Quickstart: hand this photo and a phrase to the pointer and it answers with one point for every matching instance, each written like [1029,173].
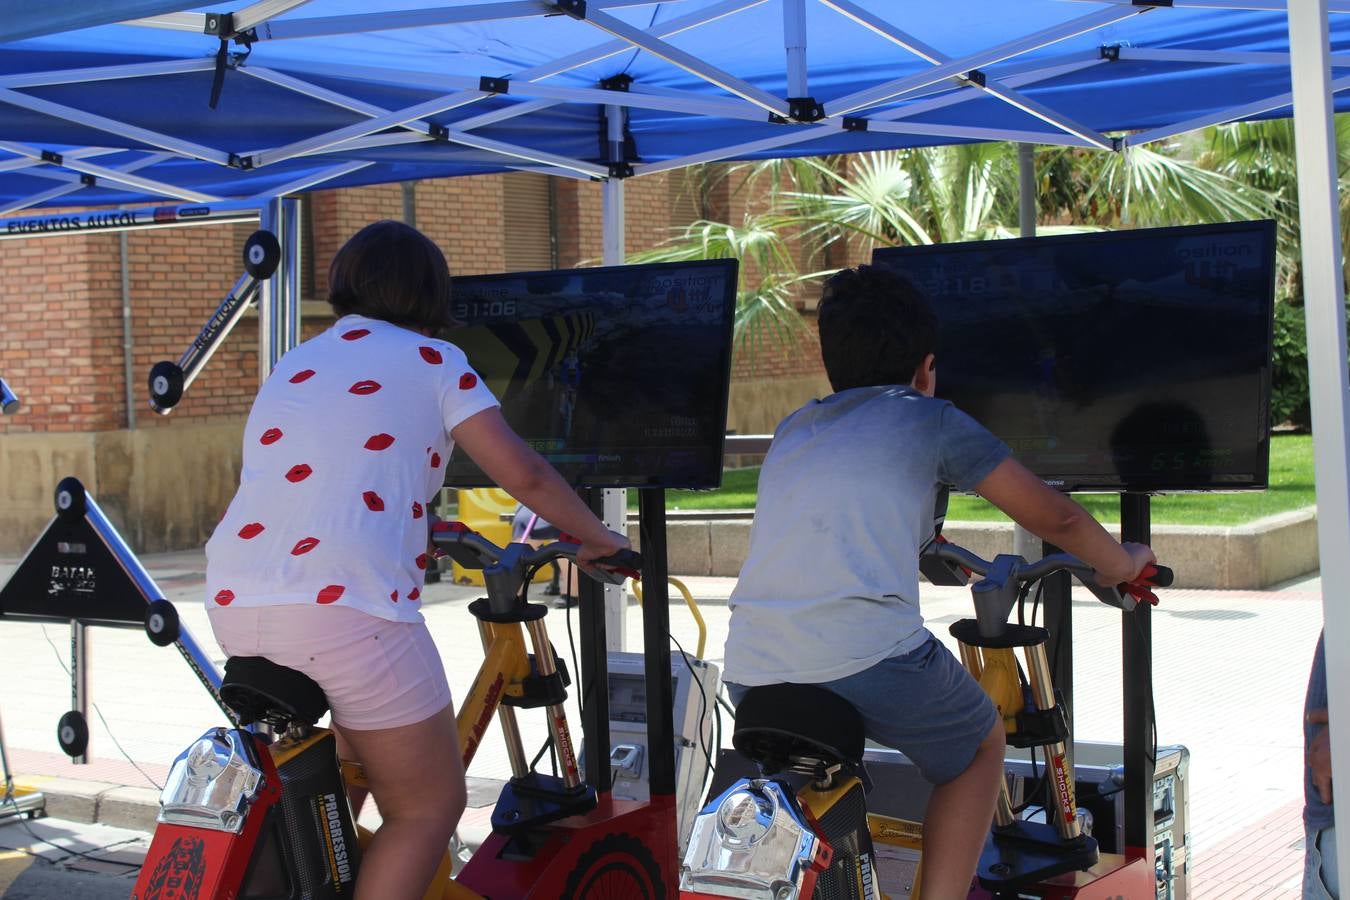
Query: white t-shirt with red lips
[346,443]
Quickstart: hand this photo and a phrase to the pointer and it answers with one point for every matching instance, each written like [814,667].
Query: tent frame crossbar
[950,81]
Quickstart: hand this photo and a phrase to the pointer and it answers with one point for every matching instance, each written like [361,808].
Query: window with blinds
[527,220]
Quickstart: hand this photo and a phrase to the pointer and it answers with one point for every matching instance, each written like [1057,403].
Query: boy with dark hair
[829,593]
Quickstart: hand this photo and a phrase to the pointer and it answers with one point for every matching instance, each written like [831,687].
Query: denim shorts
[1320,878]
[922,703]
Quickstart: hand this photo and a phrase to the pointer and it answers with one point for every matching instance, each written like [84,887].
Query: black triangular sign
[71,574]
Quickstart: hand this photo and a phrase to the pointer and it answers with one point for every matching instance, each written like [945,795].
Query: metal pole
[1323,303]
[1026,544]
[1136,671]
[269,219]
[288,331]
[79,677]
[409,190]
[197,659]
[794,40]
[656,643]
[128,347]
[615,501]
[593,685]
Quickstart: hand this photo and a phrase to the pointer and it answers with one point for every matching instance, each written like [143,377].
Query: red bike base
[623,848]
[1114,877]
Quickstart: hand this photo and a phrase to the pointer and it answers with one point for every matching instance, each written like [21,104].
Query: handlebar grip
[623,559]
[1158,576]
[624,564]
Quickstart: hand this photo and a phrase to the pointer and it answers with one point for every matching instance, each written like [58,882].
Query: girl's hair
[393,272]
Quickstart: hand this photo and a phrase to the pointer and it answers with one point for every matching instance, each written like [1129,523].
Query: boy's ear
[925,375]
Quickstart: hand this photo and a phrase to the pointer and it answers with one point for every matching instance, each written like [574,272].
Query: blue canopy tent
[128,102]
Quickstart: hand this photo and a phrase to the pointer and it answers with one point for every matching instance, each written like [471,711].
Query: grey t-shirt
[830,584]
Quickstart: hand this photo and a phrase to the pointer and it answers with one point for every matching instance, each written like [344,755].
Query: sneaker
[564,601]
[553,590]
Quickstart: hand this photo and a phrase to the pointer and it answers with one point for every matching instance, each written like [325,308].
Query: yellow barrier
[482,510]
[689,601]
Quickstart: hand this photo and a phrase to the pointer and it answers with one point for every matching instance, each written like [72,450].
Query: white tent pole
[287,322]
[614,254]
[794,40]
[1324,306]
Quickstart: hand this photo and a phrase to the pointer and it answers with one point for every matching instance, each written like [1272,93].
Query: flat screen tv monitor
[1111,361]
[618,376]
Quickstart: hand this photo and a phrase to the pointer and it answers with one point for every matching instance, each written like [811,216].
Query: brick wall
[61,323]
[61,336]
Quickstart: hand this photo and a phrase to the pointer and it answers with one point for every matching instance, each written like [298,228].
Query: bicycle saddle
[259,690]
[799,727]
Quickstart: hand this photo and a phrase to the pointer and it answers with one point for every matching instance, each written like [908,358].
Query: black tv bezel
[729,268]
[1112,483]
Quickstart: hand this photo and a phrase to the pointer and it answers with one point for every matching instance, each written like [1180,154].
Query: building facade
[86,316]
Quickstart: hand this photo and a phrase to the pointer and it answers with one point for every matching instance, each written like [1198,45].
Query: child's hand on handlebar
[1140,555]
[597,548]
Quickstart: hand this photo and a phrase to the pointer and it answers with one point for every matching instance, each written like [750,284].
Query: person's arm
[1056,518]
[528,477]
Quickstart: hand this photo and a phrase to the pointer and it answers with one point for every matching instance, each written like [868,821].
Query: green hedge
[1289,400]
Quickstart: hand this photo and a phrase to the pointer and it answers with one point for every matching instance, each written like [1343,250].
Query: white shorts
[376,673]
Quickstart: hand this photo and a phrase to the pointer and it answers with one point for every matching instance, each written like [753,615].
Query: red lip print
[302,375]
[373,501]
[414,593]
[467,380]
[299,473]
[421,561]
[304,545]
[364,387]
[356,334]
[270,436]
[393,595]
[330,593]
[380,442]
[435,460]
[225,597]
[251,530]
[431,355]
[417,510]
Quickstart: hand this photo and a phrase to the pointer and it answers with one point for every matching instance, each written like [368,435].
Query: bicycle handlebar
[1124,596]
[473,551]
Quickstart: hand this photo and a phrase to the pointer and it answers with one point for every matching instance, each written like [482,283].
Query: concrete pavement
[1230,669]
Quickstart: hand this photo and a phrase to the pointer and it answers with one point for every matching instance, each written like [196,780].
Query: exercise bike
[245,817]
[802,829]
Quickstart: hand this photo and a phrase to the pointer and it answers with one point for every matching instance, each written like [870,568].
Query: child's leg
[957,822]
[924,704]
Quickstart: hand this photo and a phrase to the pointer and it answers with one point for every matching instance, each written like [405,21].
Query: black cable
[84,854]
[702,700]
[1152,712]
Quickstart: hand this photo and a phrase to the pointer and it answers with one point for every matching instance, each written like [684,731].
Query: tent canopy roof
[343,92]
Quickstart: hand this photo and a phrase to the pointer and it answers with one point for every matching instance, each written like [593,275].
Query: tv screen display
[1130,360]
[618,376]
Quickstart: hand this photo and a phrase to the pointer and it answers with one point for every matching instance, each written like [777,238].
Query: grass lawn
[1291,487]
